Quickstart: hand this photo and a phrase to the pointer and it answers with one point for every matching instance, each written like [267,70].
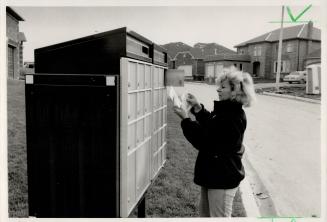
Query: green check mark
[297,17]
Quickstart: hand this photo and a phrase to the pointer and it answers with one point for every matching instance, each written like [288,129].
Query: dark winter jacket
[218,136]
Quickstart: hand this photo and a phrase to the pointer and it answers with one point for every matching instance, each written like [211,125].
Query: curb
[251,187]
[247,194]
[249,203]
[292,97]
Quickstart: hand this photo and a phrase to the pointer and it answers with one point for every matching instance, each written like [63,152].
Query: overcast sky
[225,25]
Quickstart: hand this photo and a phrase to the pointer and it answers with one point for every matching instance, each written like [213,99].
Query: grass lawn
[294,90]
[173,194]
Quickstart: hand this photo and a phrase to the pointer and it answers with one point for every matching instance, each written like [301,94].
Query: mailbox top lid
[123,30]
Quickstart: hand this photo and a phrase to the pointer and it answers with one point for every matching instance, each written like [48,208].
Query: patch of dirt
[299,91]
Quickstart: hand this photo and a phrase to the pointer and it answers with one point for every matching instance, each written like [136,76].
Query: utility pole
[279,58]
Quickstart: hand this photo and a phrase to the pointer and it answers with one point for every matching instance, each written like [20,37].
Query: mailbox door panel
[135,134]
[142,123]
[147,77]
[159,118]
[132,114]
[132,76]
[131,195]
[140,76]
[140,104]
[142,169]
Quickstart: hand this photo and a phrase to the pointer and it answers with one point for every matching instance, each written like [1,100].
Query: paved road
[283,137]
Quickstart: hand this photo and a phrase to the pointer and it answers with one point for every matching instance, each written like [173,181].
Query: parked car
[296,76]
[27,69]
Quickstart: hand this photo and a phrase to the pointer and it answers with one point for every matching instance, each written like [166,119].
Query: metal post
[279,52]
[141,208]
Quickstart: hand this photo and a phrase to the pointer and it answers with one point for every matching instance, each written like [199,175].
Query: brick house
[214,64]
[313,58]
[15,41]
[298,42]
[191,59]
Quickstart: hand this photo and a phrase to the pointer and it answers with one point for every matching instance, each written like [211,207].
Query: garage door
[219,70]
[11,62]
[209,70]
[187,70]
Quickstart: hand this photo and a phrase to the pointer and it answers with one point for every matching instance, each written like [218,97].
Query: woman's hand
[180,112]
[193,102]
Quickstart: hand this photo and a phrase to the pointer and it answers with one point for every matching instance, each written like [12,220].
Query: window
[257,51]
[241,67]
[289,47]
[285,66]
[241,52]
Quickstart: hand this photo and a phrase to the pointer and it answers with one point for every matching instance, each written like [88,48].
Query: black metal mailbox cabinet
[72,147]
[96,125]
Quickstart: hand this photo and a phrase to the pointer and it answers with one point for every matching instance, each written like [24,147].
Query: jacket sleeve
[202,116]
[193,132]
[219,136]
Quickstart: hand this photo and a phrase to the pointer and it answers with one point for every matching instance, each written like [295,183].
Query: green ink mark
[275,219]
[294,19]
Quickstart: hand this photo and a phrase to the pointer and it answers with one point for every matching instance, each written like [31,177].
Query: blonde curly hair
[241,85]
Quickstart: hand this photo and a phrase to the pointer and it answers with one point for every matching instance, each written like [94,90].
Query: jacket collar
[226,105]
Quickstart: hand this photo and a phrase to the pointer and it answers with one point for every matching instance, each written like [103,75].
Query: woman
[218,136]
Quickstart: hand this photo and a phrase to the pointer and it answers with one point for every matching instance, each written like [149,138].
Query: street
[283,140]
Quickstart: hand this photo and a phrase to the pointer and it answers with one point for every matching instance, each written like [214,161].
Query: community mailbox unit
[96,125]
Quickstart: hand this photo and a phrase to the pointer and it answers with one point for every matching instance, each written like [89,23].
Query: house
[172,49]
[313,58]
[214,64]
[191,59]
[298,42]
[15,41]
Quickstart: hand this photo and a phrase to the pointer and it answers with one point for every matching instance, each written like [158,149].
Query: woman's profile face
[224,90]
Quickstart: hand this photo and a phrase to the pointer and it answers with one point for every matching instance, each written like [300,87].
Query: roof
[186,52]
[314,54]
[292,32]
[197,53]
[14,14]
[174,47]
[228,56]
[202,50]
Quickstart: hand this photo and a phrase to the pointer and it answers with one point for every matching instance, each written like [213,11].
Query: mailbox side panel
[72,150]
